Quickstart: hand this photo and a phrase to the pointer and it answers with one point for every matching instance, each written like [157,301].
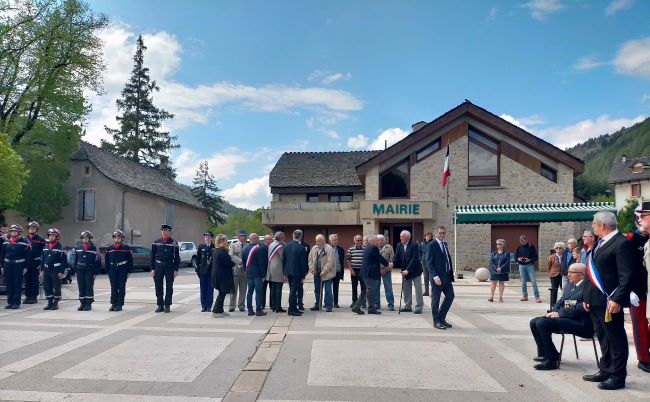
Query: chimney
[415,127]
[163,162]
[624,158]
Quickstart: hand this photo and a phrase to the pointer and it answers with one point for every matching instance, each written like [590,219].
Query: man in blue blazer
[294,267]
[441,275]
[407,258]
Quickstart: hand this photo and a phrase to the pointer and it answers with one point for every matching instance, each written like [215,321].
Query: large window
[549,173]
[312,197]
[428,150]
[394,183]
[483,160]
[636,190]
[86,205]
[340,197]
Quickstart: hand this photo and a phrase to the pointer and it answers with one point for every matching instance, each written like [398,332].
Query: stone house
[631,179]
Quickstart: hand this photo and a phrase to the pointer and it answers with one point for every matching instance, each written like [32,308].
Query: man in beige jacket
[322,266]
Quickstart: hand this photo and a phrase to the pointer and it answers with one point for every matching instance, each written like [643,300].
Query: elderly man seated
[568,316]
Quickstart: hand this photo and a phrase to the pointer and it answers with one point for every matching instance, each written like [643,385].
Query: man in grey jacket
[238,272]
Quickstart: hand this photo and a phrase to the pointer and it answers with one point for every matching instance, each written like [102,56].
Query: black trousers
[13,282]
[301,293]
[166,274]
[543,328]
[52,286]
[31,279]
[613,342]
[439,311]
[265,286]
[356,281]
[118,279]
[276,295]
[335,289]
[218,303]
[294,284]
[556,281]
[86,284]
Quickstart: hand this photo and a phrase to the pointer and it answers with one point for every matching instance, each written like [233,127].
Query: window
[312,197]
[483,156]
[549,173]
[394,183]
[428,150]
[637,168]
[341,197]
[86,205]
[169,215]
[636,190]
[87,170]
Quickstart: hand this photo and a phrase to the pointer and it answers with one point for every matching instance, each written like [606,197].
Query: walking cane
[400,296]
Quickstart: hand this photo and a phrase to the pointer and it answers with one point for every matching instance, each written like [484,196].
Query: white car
[187,250]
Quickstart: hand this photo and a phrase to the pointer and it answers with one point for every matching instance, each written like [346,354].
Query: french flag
[446,172]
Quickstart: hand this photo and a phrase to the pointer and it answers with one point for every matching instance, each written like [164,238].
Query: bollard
[553,298]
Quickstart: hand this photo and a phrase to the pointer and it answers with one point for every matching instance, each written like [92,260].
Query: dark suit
[294,266]
[439,265]
[339,275]
[255,272]
[614,261]
[573,319]
[370,274]
[409,260]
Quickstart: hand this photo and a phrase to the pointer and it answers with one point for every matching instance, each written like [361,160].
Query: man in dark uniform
[295,267]
[204,271]
[301,290]
[33,263]
[639,295]
[55,264]
[86,265]
[119,264]
[165,260]
[12,260]
[254,259]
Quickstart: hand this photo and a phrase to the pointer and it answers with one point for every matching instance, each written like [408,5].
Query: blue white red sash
[252,251]
[594,276]
[275,250]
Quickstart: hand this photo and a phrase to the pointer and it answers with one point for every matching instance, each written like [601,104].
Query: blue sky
[250,80]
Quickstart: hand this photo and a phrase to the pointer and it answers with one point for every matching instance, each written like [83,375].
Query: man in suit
[254,259]
[610,269]
[370,274]
[639,298]
[407,258]
[442,276]
[339,260]
[568,315]
[294,268]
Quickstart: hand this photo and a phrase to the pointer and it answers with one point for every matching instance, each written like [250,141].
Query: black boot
[160,309]
[49,305]
[55,305]
[112,308]
[87,306]
[82,306]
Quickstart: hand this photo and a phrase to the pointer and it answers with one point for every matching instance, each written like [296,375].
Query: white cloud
[358,141]
[326,77]
[513,120]
[330,133]
[524,122]
[587,63]
[618,5]
[540,9]
[251,194]
[634,58]
[222,164]
[568,136]
[388,138]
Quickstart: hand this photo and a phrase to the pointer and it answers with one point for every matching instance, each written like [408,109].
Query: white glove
[634,299]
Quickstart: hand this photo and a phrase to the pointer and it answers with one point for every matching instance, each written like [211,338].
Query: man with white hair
[370,274]
[323,267]
[610,269]
[386,251]
[408,260]
[339,263]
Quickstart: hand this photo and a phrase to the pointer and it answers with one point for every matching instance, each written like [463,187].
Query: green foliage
[250,223]
[206,191]
[14,174]
[139,137]
[603,198]
[625,216]
[599,154]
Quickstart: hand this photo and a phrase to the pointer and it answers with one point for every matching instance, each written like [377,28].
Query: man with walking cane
[322,265]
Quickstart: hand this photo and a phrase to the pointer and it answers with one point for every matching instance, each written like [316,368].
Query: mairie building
[492,162]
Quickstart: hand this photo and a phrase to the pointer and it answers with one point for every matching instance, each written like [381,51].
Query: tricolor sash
[594,278]
[252,251]
[275,250]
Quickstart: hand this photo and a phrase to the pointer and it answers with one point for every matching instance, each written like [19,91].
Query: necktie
[446,253]
[597,245]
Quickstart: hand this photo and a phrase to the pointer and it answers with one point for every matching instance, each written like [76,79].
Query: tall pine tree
[139,137]
[205,190]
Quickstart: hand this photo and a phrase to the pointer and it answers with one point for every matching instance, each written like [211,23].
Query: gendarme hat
[165,226]
[644,206]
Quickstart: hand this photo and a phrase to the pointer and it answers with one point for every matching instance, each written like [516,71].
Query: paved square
[198,318]
[12,339]
[347,319]
[396,364]
[135,360]
[68,311]
[510,322]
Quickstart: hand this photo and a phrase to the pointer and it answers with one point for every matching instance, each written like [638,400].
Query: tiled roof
[134,175]
[318,169]
[622,171]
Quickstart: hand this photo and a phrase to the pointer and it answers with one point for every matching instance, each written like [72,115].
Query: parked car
[187,251]
[141,258]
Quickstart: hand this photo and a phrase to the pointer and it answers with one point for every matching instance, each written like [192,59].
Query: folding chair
[575,345]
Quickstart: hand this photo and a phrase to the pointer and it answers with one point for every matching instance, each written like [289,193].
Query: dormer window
[394,182]
[637,168]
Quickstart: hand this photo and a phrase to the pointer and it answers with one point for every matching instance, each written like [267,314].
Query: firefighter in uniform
[12,258]
[639,295]
[119,264]
[165,261]
[86,265]
[33,263]
[204,271]
[55,264]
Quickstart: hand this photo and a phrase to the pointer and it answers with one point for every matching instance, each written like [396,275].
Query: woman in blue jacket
[499,269]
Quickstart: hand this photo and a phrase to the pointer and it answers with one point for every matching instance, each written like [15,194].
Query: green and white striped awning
[531,213]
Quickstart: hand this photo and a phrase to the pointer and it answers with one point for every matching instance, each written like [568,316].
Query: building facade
[631,179]
[383,192]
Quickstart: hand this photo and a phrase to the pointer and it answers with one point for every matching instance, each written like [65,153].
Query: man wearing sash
[274,274]
[610,270]
[638,308]
[255,263]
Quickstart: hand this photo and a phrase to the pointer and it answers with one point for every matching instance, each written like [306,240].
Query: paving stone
[278,330]
[274,338]
[241,396]
[266,354]
[258,366]
[15,339]
[249,381]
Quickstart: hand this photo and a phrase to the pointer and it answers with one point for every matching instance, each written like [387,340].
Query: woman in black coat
[222,278]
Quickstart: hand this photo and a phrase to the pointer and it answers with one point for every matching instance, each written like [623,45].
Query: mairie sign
[395,209]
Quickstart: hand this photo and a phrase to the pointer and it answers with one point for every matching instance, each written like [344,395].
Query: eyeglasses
[576,272]
[499,244]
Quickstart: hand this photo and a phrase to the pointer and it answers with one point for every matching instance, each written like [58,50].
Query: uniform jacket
[87,260]
[37,243]
[615,263]
[500,261]
[165,254]
[204,259]
[14,252]
[437,263]
[55,259]
[570,306]
[294,262]
[119,258]
[236,249]
[640,283]
[257,263]
[222,264]
[408,260]
[274,270]
[554,266]
[327,264]
[372,260]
